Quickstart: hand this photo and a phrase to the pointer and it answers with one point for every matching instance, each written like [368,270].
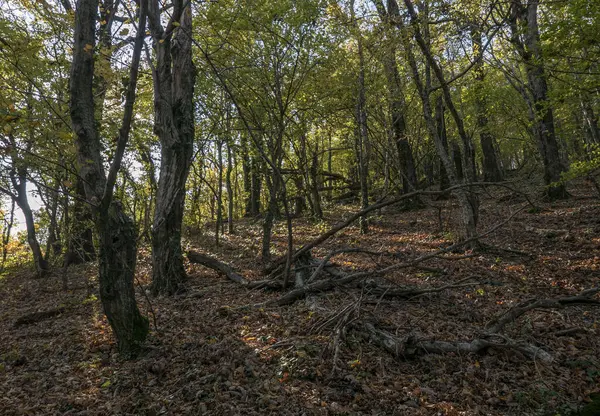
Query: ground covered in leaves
[215,350]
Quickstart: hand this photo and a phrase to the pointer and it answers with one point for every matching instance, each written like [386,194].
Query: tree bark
[362,134]
[406,160]
[526,38]
[491,169]
[115,230]
[174,76]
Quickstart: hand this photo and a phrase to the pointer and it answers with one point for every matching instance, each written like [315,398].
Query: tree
[525,36]
[173,76]
[116,234]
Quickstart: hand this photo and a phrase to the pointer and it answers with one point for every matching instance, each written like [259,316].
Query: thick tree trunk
[117,258]
[174,78]
[115,230]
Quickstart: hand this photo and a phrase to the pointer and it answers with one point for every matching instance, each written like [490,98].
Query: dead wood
[411,346]
[34,317]
[216,265]
[324,285]
[379,205]
[391,291]
[584,298]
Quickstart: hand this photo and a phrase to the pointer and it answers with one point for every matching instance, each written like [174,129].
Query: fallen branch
[32,318]
[410,346]
[584,298]
[379,205]
[216,265]
[407,293]
[323,285]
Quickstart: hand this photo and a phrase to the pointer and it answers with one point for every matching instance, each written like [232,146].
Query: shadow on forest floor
[210,356]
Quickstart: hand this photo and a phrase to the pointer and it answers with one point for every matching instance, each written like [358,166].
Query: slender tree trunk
[6,233]
[219,221]
[362,128]
[491,169]
[174,76]
[397,109]
[314,185]
[526,38]
[468,207]
[229,187]
[41,265]
[440,125]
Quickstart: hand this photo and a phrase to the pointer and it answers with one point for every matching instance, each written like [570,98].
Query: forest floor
[208,354]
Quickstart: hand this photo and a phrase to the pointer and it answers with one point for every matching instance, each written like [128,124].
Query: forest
[300,207]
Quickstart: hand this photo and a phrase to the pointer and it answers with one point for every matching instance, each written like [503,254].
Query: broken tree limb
[410,346]
[584,298]
[32,318]
[407,293]
[216,265]
[379,205]
[323,285]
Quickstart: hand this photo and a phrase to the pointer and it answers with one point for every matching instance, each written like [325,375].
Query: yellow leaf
[161,41]
[88,47]
[176,24]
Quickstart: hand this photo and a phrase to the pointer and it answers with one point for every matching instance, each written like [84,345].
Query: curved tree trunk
[115,230]
[174,78]
[117,258]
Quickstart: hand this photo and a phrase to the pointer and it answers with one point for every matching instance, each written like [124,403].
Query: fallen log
[411,346]
[216,265]
[32,318]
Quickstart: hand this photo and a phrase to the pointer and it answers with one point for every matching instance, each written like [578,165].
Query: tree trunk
[314,185]
[362,129]
[81,239]
[219,196]
[529,47]
[115,230]
[440,125]
[41,265]
[397,108]
[117,259]
[174,77]
[6,233]
[491,169]
[229,186]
